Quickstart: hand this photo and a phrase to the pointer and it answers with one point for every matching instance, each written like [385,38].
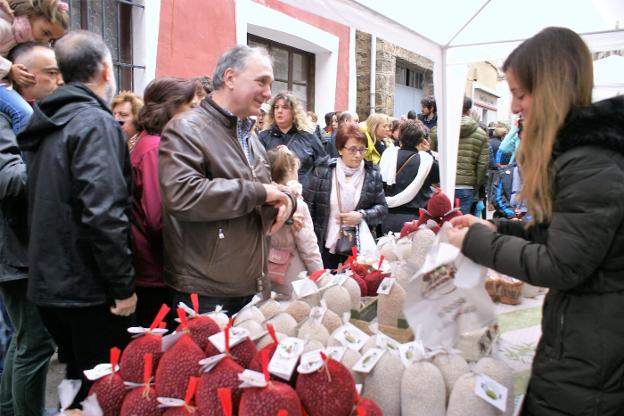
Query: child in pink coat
[299,249]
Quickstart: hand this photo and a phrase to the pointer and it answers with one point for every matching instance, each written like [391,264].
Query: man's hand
[350,218]
[281,201]
[19,73]
[124,307]
[424,146]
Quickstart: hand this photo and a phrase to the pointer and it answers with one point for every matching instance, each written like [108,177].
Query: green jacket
[473,155]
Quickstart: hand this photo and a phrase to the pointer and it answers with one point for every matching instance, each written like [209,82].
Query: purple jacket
[147,243]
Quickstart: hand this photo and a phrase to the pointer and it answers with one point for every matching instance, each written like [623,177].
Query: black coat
[406,176]
[13,220]
[78,201]
[305,145]
[317,194]
[579,365]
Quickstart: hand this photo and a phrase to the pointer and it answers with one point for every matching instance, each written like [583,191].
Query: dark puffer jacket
[305,145]
[579,365]
[473,154]
[318,191]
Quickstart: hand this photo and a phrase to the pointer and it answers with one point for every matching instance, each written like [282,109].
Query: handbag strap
[337,189]
[404,164]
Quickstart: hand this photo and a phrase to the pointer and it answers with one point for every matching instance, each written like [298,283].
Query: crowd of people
[113,205]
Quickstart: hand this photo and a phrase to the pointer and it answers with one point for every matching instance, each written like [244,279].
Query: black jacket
[406,176]
[13,225]
[305,145]
[579,365]
[317,194]
[78,201]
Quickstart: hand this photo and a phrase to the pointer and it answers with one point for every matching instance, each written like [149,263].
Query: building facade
[401,77]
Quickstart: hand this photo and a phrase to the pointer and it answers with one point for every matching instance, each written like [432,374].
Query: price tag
[317,313]
[336,353]
[99,371]
[385,286]
[411,352]
[311,361]
[491,391]
[386,343]
[285,358]
[139,330]
[170,402]
[340,278]
[211,362]
[251,378]
[369,360]
[350,336]
[237,335]
[169,340]
[304,287]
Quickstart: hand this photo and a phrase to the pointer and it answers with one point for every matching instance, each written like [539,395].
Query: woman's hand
[424,146]
[350,218]
[19,74]
[456,236]
[466,221]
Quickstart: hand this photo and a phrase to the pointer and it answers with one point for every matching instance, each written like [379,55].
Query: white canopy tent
[455,33]
[608,77]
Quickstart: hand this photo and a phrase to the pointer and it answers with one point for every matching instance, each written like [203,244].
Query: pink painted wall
[194,33]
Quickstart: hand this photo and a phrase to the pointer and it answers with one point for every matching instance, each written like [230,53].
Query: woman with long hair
[572,161]
[376,129]
[287,124]
[164,98]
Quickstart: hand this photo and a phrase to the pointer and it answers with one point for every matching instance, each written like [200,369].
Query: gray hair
[236,59]
[80,54]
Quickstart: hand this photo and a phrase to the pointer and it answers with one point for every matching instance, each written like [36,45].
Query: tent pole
[373,72]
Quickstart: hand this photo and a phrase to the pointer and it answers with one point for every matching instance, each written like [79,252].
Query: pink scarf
[22,30]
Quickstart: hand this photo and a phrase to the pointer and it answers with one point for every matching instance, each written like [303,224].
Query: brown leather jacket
[214,221]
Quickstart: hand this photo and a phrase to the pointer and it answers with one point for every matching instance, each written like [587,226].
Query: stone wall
[387,54]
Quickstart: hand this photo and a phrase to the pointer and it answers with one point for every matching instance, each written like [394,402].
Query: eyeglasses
[354,150]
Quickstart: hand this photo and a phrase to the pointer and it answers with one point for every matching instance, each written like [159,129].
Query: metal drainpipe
[373,72]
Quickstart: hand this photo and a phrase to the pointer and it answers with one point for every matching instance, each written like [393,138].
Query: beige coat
[304,246]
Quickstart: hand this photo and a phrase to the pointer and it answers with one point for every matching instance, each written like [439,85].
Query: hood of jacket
[468,127]
[600,124]
[55,111]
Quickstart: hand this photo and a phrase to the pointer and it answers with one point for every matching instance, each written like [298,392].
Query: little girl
[24,21]
[291,251]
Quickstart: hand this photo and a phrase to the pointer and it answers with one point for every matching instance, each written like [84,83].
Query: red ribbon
[265,364]
[271,330]
[227,335]
[114,357]
[147,367]
[316,275]
[164,310]
[190,390]
[182,317]
[195,301]
[225,397]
